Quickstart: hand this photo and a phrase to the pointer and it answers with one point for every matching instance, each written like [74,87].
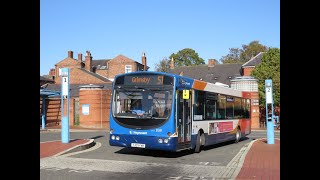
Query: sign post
[65,96]
[269,111]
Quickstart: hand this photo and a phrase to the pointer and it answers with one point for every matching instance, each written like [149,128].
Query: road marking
[209,163]
[186,171]
[59,169]
[79,171]
[205,170]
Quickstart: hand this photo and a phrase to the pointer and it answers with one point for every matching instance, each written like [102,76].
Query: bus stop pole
[43,116]
[269,117]
[65,95]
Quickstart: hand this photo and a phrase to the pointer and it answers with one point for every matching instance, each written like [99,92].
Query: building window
[128,69]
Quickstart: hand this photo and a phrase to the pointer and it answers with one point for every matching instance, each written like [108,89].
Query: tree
[269,68]
[163,66]
[232,57]
[251,50]
[243,55]
[186,57]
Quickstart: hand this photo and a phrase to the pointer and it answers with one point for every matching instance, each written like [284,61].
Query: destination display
[144,80]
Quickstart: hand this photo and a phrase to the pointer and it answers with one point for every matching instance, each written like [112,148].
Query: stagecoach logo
[183,82]
[135,132]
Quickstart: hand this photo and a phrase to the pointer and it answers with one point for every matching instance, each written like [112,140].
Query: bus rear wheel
[198,143]
[238,135]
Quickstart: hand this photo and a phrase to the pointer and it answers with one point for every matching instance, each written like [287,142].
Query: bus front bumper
[147,142]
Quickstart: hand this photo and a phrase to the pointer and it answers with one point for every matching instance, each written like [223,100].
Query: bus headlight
[166,141]
[117,138]
[159,140]
[113,137]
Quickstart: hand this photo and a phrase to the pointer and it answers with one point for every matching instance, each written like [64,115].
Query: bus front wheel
[198,143]
[238,135]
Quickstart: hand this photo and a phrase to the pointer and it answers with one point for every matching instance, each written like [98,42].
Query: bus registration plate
[138,145]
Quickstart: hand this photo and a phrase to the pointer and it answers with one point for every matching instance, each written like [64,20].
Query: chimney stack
[172,63]
[88,61]
[52,72]
[80,57]
[70,54]
[144,61]
[211,62]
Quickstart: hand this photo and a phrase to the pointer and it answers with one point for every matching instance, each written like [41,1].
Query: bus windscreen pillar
[65,97]
[269,111]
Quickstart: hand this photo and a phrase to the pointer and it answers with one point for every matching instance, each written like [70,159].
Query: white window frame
[128,68]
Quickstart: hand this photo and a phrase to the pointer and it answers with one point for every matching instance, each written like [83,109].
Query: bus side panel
[217,138]
[228,129]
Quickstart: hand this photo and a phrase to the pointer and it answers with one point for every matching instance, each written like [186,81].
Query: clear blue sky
[159,28]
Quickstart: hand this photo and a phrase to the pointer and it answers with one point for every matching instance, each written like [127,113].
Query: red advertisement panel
[220,127]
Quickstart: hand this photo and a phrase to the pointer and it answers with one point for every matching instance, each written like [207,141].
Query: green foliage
[216,61]
[269,68]
[163,66]
[251,50]
[186,57]
[232,57]
[243,55]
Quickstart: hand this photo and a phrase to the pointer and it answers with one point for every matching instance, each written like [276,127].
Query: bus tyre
[238,135]
[198,143]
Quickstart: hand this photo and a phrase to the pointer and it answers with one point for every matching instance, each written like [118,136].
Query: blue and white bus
[175,112]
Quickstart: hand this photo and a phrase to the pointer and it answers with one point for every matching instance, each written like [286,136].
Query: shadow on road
[96,137]
[222,144]
[168,154]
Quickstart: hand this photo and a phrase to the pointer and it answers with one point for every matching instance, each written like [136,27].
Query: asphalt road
[108,162]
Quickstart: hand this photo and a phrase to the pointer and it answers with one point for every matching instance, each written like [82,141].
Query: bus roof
[182,81]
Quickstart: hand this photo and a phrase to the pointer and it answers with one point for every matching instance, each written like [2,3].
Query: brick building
[89,71]
[90,88]
[251,64]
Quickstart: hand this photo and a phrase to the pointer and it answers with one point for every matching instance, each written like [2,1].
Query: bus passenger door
[184,118]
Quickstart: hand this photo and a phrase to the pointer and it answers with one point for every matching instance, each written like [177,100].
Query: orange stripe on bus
[199,85]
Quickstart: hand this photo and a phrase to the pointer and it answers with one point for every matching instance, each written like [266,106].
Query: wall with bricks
[247,71]
[254,108]
[103,72]
[98,100]
[117,66]
[66,63]
[53,111]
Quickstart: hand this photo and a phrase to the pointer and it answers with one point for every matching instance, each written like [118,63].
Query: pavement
[259,160]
